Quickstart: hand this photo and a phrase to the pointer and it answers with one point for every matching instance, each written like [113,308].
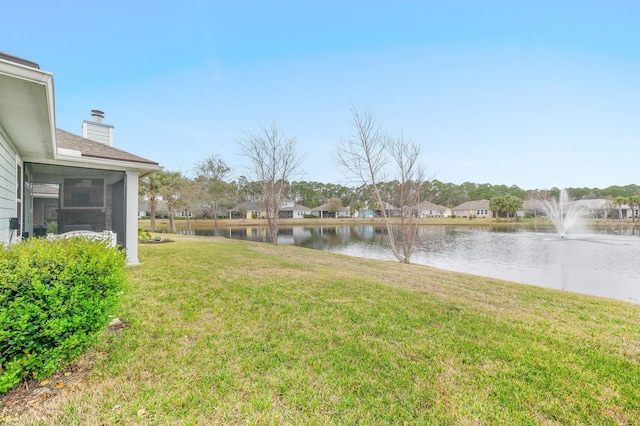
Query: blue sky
[536,94]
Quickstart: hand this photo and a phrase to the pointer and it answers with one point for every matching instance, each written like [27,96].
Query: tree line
[222,193]
[383,170]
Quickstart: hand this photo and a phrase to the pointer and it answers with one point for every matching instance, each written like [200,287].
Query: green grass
[231,332]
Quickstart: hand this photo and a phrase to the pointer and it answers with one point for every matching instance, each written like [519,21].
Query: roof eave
[82,161]
[35,75]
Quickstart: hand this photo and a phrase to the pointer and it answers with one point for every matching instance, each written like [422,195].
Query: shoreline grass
[162,225]
[233,332]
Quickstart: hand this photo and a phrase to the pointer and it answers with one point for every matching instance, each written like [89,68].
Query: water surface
[601,262]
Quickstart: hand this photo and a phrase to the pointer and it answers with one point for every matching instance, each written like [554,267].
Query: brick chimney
[96,130]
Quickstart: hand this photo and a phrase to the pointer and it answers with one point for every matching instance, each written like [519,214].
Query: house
[143,209]
[290,210]
[256,210]
[597,208]
[477,208]
[248,210]
[530,207]
[625,211]
[96,183]
[592,208]
[371,212]
[429,209]
[322,211]
[364,213]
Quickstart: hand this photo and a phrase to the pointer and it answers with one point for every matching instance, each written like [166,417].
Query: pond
[600,262]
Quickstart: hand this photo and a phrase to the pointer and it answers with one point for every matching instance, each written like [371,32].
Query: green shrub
[52,227]
[55,298]
[143,235]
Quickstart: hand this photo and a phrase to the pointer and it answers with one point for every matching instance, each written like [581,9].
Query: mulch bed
[156,241]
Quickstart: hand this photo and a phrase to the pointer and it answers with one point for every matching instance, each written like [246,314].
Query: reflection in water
[603,263]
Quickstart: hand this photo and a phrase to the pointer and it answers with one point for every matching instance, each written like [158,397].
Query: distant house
[529,207]
[429,209]
[593,208]
[625,211]
[477,208]
[364,213]
[597,208]
[256,210]
[390,210]
[290,210]
[323,212]
[143,209]
[96,183]
[248,210]
[251,210]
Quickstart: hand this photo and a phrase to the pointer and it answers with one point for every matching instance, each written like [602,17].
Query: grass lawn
[232,332]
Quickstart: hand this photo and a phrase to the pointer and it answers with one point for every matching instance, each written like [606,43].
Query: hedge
[56,296]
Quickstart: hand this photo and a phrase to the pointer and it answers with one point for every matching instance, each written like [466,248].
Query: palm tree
[497,205]
[149,189]
[506,203]
[620,201]
[511,204]
[634,203]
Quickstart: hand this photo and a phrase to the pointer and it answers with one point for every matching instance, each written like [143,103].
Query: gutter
[16,68]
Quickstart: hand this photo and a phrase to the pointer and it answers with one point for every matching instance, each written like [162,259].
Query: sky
[535,94]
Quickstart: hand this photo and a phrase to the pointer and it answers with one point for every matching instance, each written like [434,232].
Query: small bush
[143,235]
[55,298]
[52,227]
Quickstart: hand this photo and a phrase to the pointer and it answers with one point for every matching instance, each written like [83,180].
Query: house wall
[259,214]
[473,213]
[298,214]
[434,213]
[7,188]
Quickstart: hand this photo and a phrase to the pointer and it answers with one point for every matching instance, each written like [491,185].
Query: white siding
[7,187]
[98,132]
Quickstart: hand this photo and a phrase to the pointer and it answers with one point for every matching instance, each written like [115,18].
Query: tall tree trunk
[272,228]
[152,212]
[172,219]
[215,217]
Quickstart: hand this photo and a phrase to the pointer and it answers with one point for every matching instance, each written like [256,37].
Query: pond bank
[301,337]
[162,225]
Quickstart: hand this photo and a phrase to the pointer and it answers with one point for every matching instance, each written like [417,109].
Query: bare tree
[367,157]
[210,174]
[275,161]
[410,174]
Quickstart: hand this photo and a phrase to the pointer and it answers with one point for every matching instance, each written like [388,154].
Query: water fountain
[561,212]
